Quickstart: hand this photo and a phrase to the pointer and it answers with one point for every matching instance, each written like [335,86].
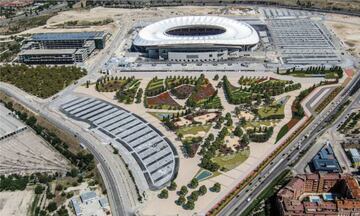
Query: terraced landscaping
[256,88]
[162,101]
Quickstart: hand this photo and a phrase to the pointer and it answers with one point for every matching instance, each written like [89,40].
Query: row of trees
[260,134]
[209,149]
[317,70]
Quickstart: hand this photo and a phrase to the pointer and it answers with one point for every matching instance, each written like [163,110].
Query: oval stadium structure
[196,38]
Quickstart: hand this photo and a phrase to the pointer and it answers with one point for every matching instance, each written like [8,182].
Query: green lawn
[267,112]
[259,123]
[272,111]
[193,129]
[155,84]
[214,103]
[231,161]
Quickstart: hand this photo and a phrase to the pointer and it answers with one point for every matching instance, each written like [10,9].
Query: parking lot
[153,152]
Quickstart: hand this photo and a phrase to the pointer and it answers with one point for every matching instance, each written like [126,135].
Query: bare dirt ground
[26,153]
[15,203]
[347,29]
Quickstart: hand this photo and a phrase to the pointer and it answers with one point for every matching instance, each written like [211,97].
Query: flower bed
[183,91]
[162,101]
[203,93]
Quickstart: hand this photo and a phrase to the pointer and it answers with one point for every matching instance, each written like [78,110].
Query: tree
[216,187]
[194,196]
[172,186]
[202,190]
[58,187]
[245,140]
[194,183]
[183,191]
[74,172]
[52,206]
[39,189]
[189,205]
[116,151]
[181,200]
[238,131]
[164,194]
[216,77]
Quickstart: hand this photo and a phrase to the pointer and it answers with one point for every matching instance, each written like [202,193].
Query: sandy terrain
[248,116]
[182,122]
[199,134]
[347,29]
[15,203]
[204,118]
[232,142]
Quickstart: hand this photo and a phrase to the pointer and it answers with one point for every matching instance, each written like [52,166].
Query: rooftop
[86,196]
[325,160]
[47,51]
[197,30]
[68,36]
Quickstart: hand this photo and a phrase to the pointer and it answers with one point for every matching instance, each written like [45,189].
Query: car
[248,199]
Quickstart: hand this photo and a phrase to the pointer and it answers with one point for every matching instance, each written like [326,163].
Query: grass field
[213,103]
[229,162]
[259,123]
[193,129]
[155,84]
[268,112]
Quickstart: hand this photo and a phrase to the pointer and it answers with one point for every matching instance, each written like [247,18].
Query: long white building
[196,38]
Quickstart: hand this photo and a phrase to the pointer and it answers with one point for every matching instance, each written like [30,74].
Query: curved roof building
[195,34]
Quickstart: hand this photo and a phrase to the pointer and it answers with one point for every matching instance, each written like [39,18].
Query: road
[288,155]
[116,185]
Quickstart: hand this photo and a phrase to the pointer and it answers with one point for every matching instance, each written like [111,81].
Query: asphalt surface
[244,198]
[40,106]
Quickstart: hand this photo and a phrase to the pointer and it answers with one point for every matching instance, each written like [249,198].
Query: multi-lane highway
[244,198]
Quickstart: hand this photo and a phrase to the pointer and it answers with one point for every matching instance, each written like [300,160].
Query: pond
[204,174]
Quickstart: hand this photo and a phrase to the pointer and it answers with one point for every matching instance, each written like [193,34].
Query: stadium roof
[233,32]
[68,36]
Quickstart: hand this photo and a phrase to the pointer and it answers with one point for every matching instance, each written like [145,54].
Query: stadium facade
[196,38]
[61,48]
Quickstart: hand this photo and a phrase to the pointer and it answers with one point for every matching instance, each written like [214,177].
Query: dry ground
[347,29]
[15,203]
[25,152]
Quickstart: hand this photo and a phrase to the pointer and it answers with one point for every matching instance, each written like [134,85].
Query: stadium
[196,38]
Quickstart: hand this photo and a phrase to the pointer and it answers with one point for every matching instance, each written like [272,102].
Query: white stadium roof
[234,33]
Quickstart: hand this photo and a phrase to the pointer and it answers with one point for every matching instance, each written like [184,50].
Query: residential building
[320,194]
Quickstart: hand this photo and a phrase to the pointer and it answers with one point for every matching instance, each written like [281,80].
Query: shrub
[164,194]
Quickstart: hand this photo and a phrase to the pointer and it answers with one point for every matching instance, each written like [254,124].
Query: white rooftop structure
[211,30]
[154,154]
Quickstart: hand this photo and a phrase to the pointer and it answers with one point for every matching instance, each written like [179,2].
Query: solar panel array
[302,41]
[153,152]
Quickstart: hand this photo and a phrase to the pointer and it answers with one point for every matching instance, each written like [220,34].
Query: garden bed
[162,101]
